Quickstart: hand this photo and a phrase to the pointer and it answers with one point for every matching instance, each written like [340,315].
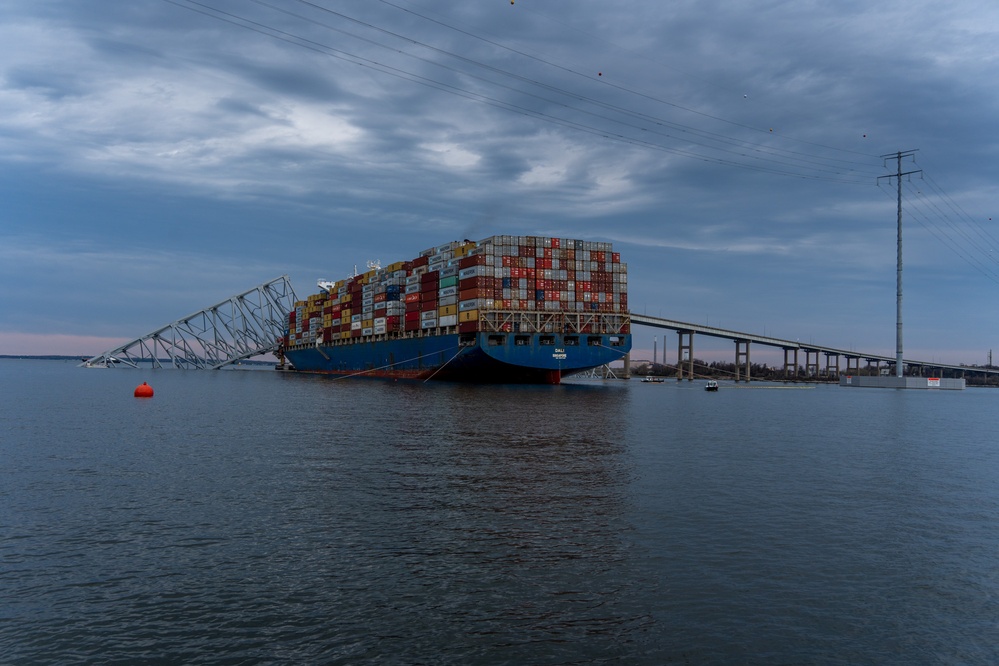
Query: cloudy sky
[158,156]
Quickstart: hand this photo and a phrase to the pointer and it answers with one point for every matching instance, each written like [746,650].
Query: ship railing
[582,323]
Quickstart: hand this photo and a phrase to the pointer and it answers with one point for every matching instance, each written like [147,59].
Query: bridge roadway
[791,348]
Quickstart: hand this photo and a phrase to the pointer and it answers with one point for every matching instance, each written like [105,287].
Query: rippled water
[251,517]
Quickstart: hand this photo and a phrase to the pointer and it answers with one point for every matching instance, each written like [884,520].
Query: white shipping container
[471,304]
[367,331]
[379,330]
[379,321]
[447,291]
[471,272]
[428,323]
[449,320]
[429,314]
[355,325]
[448,300]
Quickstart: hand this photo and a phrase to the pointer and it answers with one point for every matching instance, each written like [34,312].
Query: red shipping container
[427,306]
[413,307]
[426,278]
[468,327]
[469,294]
[413,298]
[473,282]
[556,243]
[413,316]
[412,325]
[473,260]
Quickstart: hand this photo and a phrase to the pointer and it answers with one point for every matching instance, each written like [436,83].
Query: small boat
[653,380]
[712,385]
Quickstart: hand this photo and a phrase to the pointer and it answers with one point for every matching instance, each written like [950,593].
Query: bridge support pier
[811,367]
[741,355]
[830,366]
[689,348]
[788,364]
[853,365]
[627,366]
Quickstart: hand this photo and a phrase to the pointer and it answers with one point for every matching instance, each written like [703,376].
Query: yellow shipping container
[446,310]
[367,323]
[468,315]
[397,266]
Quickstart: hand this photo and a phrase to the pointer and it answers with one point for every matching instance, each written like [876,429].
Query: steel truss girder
[245,325]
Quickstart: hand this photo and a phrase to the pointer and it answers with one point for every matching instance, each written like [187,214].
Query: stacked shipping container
[450,288]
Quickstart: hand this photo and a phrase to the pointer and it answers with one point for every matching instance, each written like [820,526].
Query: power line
[737,152]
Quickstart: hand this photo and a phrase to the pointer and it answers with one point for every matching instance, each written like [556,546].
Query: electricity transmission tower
[898,271]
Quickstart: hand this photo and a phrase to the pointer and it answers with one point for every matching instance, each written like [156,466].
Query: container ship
[506,309]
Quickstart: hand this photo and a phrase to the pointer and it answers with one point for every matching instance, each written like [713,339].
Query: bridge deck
[739,336]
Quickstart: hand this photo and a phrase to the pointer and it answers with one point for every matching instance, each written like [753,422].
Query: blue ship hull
[479,357]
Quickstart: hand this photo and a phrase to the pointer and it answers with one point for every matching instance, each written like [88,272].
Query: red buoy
[144,391]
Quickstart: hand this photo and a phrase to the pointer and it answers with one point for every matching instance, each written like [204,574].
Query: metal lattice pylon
[240,327]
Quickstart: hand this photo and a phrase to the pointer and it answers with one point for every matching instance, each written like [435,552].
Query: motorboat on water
[712,385]
[653,380]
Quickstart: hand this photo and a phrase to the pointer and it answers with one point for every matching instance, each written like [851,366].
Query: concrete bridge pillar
[680,349]
[740,356]
[627,365]
[832,370]
[811,367]
[853,365]
[788,364]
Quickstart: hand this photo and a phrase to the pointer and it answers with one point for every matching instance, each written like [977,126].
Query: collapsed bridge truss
[241,327]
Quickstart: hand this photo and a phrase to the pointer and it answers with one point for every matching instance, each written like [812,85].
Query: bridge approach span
[742,340]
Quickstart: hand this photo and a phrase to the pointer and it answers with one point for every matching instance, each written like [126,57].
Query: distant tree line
[762,371]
